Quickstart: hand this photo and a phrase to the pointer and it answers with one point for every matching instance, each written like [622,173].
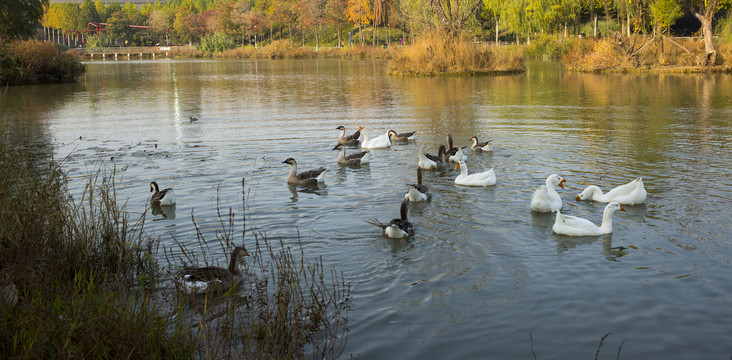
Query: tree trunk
[710,52]
[594,26]
[339,36]
[497,20]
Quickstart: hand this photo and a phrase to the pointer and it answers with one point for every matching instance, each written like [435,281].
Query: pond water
[483,276]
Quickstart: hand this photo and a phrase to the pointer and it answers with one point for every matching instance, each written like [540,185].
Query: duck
[407,136]
[432,162]
[358,158]
[379,142]
[576,226]
[632,193]
[311,177]
[350,140]
[399,228]
[163,197]
[202,280]
[486,146]
[418,192]
[192,119]
[484,178]
[453,154]
[546,198]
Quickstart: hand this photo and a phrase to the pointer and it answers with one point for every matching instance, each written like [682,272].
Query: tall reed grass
[79,278]
[436,53]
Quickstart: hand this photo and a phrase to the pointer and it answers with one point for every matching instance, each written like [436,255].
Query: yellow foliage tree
[359,11]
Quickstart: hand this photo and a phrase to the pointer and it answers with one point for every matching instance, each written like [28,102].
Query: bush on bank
[33,61]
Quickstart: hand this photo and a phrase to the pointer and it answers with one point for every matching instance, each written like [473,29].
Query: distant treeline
[330,22]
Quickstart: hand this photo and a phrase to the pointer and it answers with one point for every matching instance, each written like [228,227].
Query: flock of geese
[545,199]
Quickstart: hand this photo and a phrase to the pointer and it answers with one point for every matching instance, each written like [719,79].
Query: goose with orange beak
[546,198]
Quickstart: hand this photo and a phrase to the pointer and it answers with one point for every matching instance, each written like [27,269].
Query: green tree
[665,13]
[88,14]
[19,18]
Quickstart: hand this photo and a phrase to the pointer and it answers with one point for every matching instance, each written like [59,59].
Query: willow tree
[453,14]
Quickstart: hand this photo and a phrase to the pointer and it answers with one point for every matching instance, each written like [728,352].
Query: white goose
[379,142]
[546,198]
[418,192]
[576,226]
[484,178]
[631,193]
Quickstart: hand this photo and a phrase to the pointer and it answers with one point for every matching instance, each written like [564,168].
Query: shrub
[33,61]
[216,42]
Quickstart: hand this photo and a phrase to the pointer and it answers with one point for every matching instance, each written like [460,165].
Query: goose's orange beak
[457,166]
[361,127]
[561,183]
[578,198]
[622,208]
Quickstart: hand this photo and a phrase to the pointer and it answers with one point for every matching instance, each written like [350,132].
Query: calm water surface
[483,274]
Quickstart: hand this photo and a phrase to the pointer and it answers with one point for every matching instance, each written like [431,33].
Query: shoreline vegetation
[80,278]
[33,61]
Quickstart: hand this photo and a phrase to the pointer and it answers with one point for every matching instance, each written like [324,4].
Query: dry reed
[436,53]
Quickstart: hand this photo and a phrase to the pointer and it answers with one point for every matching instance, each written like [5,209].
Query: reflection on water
[166,212]
[482,270]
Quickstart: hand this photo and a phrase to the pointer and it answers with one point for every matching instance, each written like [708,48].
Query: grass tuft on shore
[437,53]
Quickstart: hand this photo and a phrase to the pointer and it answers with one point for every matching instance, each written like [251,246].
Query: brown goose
[453,154]
[401,137]
[195,280]
[355,159]
[481,146]
[163,197]
[432,162]
[396,228]
[418,192]
[350,140]
[312,177]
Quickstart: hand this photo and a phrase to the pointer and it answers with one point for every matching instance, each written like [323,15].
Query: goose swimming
[311,177]
[163,197]
[201,280]
[546,198]
[402,137]
[481,146]
[576,226]
[396,228]
[418,192]
[631,193]
[350,140]
[358,158]
[432,162]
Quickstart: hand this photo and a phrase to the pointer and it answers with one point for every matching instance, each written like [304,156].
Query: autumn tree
[359,11]
[335,16]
